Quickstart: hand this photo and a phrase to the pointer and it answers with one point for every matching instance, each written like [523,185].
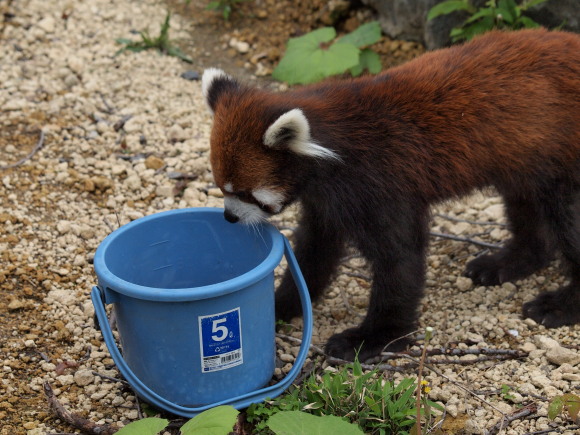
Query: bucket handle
[239,402]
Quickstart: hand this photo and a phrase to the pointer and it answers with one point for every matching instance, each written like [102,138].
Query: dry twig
[530,409]
[81,423]
[428,334]
[38,146]
[109,378]
[346,303]
[465,239]
[454,219]
[506,353]
[313,348]
[457,384]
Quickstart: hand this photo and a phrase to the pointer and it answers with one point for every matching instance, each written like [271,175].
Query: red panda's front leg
[318,249]
[395,249]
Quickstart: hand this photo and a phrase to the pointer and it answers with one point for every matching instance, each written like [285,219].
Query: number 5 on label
[221,329]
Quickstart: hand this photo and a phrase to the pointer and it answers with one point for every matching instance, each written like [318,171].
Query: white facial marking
[294,129]
[247,213]
[270,198]
[229,188]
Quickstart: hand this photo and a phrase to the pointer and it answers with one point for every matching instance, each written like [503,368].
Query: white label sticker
[220,341]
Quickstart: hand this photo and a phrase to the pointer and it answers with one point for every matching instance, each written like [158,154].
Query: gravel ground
[124,137]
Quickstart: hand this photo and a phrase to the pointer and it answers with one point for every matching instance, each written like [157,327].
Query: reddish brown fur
[502,110]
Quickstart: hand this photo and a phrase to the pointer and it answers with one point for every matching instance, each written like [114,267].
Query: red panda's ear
[292,131]
[214,83]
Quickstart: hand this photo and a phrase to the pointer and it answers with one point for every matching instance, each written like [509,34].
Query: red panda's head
[254,138]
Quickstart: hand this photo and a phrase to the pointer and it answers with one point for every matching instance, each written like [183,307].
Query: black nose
[230,217]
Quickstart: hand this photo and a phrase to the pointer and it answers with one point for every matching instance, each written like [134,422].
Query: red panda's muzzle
[230,217]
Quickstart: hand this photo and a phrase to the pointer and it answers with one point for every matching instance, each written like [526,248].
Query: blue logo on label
[221,340]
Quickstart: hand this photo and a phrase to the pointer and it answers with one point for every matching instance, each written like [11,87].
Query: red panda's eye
[241,195]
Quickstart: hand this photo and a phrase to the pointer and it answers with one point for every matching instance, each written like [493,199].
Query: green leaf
[147,40]
[485,24]
[528,23]
[449,7]
[435,405]
[506,15]
[367,34]
[356,365]
[300,423]
[572,403]
[457,34]
[530,4]
[403,402]
[227,11]
[123,41]
[146,426]
[215,421]
[371,61]
[487,12]
[176,52]
[306,61]
[212,6]
[508,9]
[555,407]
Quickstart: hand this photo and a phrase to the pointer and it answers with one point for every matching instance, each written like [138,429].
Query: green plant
[214,421]
[497,14]
[161,42]
[374,403]
[505,393]
[301,423]
[318,54]
[566,404]
[225,6]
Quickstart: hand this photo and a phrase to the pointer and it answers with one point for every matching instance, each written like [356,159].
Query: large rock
[407,19]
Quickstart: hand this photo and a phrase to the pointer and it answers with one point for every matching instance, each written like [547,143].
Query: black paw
[502,267]
[353,342]
[484,270]
[554,309]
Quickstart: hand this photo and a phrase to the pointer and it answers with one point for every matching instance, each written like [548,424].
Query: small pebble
[190,75]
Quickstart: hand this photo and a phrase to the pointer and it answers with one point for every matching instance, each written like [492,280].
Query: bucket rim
[183,294]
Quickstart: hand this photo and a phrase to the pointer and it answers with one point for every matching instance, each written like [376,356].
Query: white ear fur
[208,78]
[292,129]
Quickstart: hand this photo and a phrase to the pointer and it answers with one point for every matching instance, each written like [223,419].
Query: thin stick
[111,228]
[38,145]
[532,408]
[454,219]
[465,239]
[359,276]
[418,399]
[553,429]
[109,378]
[508,353]
[315,349]
[108,108]
[397,339]
[457,384]
[81,423]
[381,367]
[346,303]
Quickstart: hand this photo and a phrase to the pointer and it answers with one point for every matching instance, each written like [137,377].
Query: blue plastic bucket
[194,302]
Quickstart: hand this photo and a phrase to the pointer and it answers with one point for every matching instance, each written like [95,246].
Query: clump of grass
[496,14]
[147,42]
[226,7]
[377,405]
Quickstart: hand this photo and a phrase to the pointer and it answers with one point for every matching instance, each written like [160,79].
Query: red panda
[366,157]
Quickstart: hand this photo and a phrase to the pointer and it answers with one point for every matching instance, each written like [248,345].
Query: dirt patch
[254,38]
